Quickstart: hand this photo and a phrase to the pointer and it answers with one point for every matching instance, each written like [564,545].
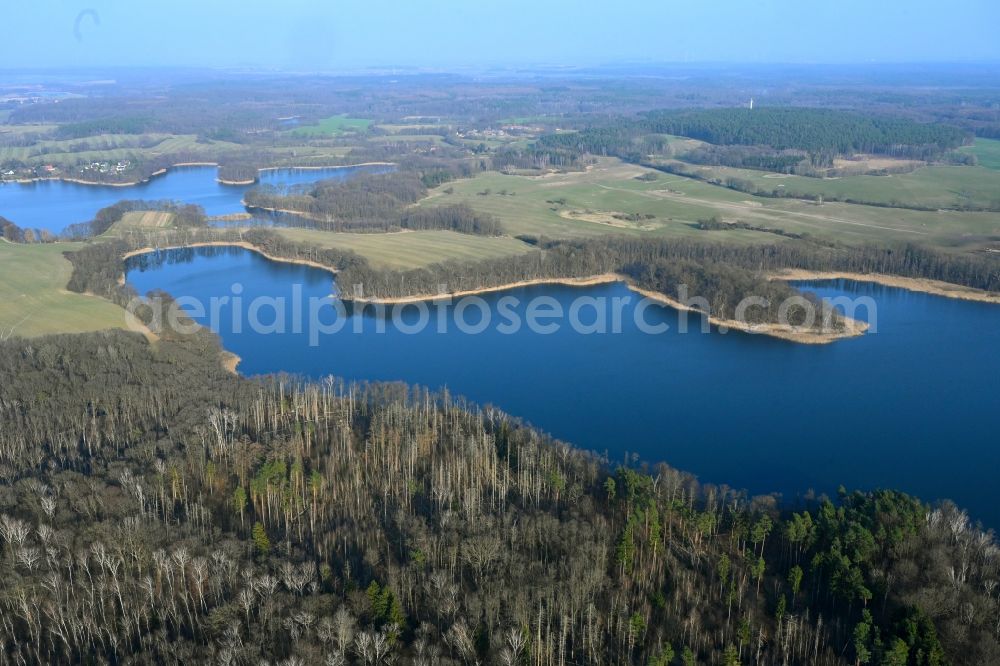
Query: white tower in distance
[751,103]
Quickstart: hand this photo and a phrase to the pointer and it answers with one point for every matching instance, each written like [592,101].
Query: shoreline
[322,168]
[299,168]
[240,244]
[853,328]
[163,171]
[922,285]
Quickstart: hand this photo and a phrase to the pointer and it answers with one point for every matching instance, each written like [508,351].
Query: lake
[53,205]
[912,406]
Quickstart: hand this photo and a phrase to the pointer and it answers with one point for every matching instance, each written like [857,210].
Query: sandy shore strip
[924,285]
[241,244]
[284,211]
[606,278]
[230,217]
[852,328]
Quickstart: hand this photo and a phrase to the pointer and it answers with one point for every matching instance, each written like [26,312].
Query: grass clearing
[580,204]
[412,249]
[333,126]
[408,138]
[33,296]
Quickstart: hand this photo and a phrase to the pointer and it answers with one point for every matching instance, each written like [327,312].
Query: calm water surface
[53,205]
[913,406]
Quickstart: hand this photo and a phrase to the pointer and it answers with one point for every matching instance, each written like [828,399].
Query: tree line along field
[931,187]
[585,203]
[33,296]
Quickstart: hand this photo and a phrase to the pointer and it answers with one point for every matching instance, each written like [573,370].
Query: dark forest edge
[193,515]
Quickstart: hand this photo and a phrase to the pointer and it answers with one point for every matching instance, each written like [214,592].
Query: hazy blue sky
[348,34]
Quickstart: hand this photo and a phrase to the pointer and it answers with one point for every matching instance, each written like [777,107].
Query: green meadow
[987,151]
[934,187]
[610,198]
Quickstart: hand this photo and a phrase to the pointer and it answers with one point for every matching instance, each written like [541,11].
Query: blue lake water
[913,406]
[52,205]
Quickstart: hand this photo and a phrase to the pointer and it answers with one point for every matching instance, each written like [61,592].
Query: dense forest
[812,130]
[107,125]
[787,140]
[155,508]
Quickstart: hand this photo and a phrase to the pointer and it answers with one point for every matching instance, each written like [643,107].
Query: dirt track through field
[761,213]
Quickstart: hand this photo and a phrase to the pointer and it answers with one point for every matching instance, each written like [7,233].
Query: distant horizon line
[541,67]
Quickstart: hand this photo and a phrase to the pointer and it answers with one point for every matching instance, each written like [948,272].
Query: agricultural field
[407,138]
[332,126]
[412,249]
[34,300]
[926,187]
[610,198]
[144,220]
